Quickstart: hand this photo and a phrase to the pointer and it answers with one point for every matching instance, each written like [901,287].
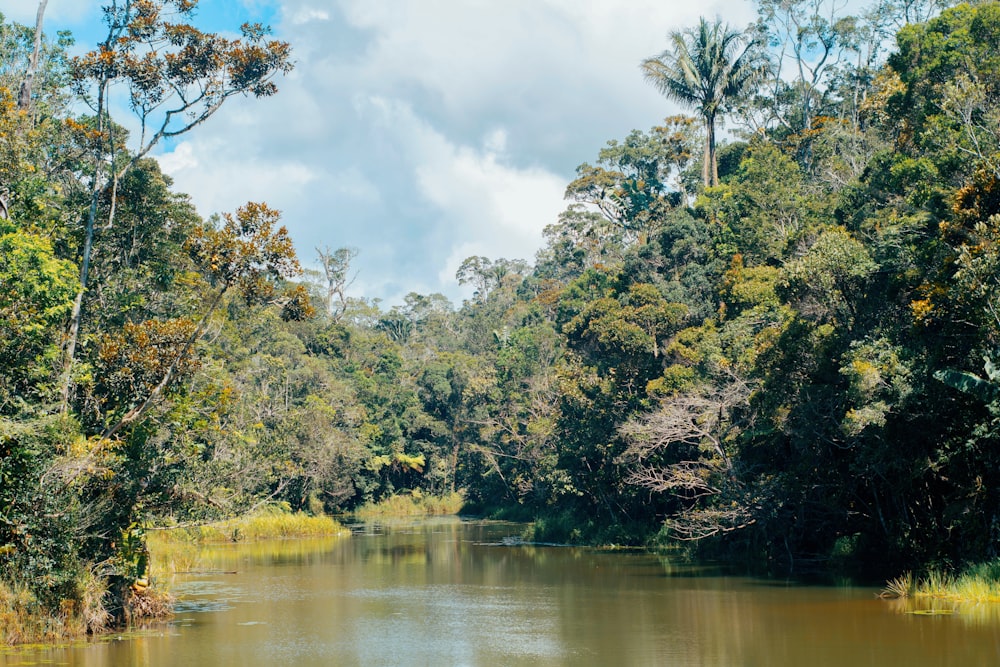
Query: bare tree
[24,98]
[336,269]
[680,449]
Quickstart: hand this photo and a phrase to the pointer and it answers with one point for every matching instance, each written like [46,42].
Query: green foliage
[39,521]
[830,278]
[639,180]
[769,209]
[785,368]
[36,293]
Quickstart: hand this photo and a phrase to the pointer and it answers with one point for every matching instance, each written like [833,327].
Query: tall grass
[900,587]
[25,620]
[273,522]
[20,620]
[977,583]
[411,505]
[179,549]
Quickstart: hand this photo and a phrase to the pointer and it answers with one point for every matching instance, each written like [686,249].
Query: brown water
[457,593]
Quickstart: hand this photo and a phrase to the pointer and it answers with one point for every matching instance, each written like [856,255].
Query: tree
[764,206]
[639,181]
[35,294]
[336,269]
[138,272]
[709,68]
[681,449]
[176,77]
[900,13]
[810,35]
[827,283]
[248,255]
[24,96]
[486,275]
[580,240]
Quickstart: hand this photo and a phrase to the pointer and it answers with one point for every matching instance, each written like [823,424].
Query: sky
[419,132]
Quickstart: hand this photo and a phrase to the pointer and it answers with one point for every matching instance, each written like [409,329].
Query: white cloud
[496,141]
[307,14]
[473,53]
[181,159]
[485,204]
[423,132]
[219,179]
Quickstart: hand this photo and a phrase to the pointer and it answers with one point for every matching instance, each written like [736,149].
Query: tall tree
[176,77]
[247,254]
[638,181]
[709,68]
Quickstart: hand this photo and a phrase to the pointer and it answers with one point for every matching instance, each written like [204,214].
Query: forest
[777,345]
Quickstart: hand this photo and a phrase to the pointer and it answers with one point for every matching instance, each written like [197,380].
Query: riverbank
[83,609]
[25,619]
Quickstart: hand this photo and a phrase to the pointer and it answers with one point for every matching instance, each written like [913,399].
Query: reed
[24,620]
[18,622]
[179,549]
[270,523]
[900,587]
[977,583]
[93,615]
[146,605]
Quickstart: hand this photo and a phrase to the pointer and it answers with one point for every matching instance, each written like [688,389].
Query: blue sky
[420,131]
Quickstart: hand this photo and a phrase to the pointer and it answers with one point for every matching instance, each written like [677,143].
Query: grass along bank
[177,549]
[411,505]
[977,583]
[24,619]
[272,522]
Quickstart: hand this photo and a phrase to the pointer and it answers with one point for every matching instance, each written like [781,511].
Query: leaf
[969,383]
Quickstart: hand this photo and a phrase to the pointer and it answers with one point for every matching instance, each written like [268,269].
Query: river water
[450,592]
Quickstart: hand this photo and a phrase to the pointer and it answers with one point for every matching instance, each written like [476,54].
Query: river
[449,592]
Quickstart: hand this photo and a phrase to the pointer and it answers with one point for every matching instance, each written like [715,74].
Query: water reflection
[459,593]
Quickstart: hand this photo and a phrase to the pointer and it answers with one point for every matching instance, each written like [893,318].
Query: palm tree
[709,68]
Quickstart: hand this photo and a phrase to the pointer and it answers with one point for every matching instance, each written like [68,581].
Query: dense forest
[778,347]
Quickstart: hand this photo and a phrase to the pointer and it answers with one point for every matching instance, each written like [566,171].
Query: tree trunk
[715,160]
[709,166]
[24,98]
[76,314]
